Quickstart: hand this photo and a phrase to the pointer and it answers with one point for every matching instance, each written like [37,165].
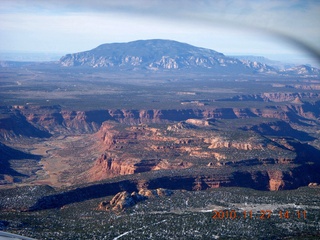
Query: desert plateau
[150,139]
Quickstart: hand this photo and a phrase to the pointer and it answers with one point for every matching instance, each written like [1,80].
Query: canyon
[93,120]
[115,139]
[266,150]
[218,134]
[20,120]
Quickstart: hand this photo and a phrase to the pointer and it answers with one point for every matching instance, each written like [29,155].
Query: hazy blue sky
[273,28]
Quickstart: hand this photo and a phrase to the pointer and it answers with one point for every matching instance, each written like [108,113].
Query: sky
[286,30]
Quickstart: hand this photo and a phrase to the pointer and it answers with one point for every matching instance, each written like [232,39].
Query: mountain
[159,54]
[275,64]
[304,70]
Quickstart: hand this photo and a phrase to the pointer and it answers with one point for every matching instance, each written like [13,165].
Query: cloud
[271,14]
[280,15]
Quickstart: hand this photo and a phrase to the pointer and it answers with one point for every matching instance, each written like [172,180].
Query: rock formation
[313,184]
[123,200]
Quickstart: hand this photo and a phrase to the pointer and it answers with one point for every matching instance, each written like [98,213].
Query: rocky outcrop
[198,122]
[123,200]
[108,166]
[159,192]
[276,181]
[313,184]
[219,142]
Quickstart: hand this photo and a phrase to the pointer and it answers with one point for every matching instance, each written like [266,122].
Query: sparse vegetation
[241,142]
[184,214]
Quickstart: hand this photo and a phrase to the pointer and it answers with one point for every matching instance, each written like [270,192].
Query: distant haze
[30,56]
[51,56]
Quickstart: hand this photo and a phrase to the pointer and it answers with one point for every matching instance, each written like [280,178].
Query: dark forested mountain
[161,55]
